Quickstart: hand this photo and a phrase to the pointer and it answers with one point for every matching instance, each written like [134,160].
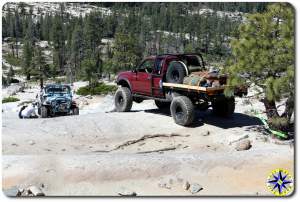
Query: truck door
[143,77]
[157,78]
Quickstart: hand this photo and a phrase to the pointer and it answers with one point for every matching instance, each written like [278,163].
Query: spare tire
[176,72]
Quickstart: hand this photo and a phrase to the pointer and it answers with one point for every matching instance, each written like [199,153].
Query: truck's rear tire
[162,105]
[44,112]
[223,106]
[176,72]
[123,99]
[182,110]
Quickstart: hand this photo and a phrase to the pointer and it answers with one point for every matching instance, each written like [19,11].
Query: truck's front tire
[123,99]
[223,106]
[44,112]
[75,111]
[182,110]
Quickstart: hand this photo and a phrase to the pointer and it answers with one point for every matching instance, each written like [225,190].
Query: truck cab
[146,79]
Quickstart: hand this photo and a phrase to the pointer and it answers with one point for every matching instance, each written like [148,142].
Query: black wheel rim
[179,113]
[120,100]
[175,75]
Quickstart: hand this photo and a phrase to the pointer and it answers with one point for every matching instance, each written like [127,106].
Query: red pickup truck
[161,78]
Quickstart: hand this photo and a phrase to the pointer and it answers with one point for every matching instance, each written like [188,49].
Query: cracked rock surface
[99,153]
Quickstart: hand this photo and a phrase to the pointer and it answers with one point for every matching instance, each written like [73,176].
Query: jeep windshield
[58,90]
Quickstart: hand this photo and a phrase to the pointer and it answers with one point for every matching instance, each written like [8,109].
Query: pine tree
[265,51]
[92,32]
[58,41]
[125,51]
[88,71]
[10,74]
[46,27]
[27,58]
[39,65]
[77,46]
[17,32]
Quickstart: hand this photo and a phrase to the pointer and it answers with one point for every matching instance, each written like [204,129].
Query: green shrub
[279,123]
[10,99]
[12,60]
[100,88]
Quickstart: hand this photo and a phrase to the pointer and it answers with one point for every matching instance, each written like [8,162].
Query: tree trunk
[289,108]
[41,82]
[17,49]
[271,109]
[28,77]
[12,49]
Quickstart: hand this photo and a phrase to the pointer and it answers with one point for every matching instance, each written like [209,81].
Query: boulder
[186,185]
[243,145]
[126,192]
[195,188]
[35,191]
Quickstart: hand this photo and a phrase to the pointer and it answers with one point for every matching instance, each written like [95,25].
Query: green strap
[266,125]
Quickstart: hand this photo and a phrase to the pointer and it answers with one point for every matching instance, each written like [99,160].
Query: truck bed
[189,88]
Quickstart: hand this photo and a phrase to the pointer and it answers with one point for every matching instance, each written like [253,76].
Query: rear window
[158,65]
[192,60]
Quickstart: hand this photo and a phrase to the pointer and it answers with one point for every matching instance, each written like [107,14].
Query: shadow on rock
[159,111]
[236,120]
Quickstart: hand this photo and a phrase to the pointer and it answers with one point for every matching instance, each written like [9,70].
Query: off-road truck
[56,99]
[161,77]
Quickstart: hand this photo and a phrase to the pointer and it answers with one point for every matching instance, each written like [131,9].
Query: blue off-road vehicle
[56,99]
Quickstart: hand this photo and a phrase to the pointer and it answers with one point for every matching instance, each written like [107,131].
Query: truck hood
[124,74]
[58,97]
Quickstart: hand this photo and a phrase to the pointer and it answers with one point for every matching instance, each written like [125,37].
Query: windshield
[58,90]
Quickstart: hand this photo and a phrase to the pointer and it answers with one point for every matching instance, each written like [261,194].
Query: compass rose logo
[280,182]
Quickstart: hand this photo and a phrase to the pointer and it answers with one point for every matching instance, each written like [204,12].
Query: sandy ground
[102,153]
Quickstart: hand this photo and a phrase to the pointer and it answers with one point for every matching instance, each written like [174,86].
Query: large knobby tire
[44,112]
[162,105]
[20,112]
[223,106]
[182,110]
[75,111]
[123,99]
[176,72]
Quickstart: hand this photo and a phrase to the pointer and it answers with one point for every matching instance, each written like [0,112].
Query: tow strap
[266,125]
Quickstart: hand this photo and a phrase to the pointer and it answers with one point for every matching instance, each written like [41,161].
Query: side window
[147,66]
[158,65]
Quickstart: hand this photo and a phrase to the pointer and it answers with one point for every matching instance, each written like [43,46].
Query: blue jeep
[56,99]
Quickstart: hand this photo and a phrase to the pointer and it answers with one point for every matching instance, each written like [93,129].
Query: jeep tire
[223,106]
[44,112]
[123,100]
[75,111]
[182,110]
[162,105]
[176,72]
